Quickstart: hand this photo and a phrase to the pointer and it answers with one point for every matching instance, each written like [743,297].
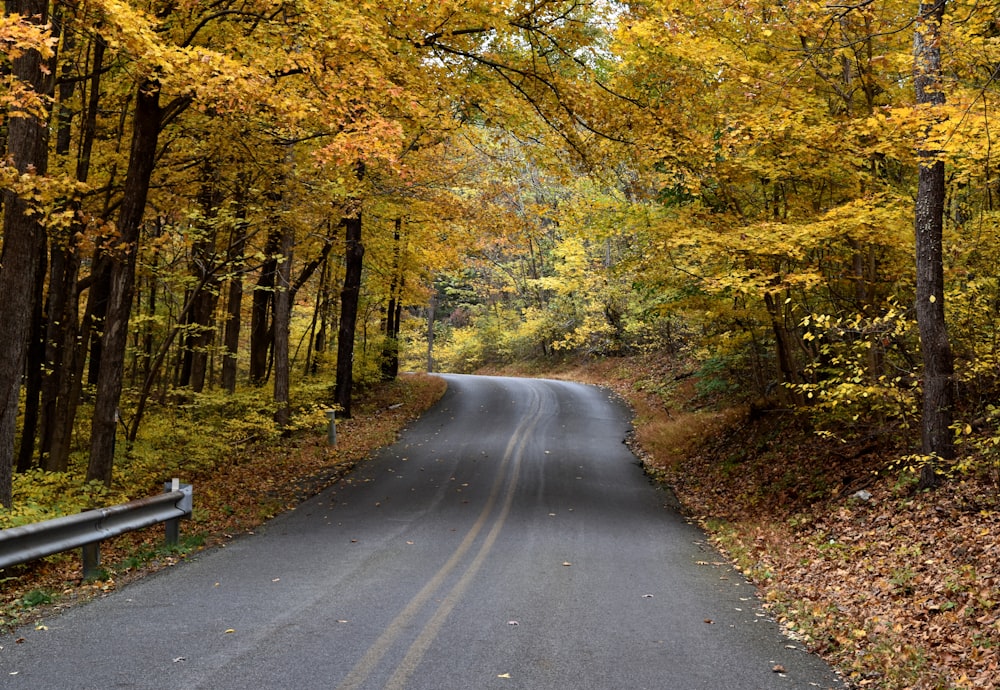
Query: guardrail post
[172,528]
[91,558]
[331,434]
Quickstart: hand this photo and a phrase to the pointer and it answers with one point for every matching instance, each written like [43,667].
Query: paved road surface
[508,541]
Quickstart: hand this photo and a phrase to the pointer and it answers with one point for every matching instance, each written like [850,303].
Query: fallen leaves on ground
[899,590]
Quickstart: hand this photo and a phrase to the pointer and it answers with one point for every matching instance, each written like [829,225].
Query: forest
[252,209]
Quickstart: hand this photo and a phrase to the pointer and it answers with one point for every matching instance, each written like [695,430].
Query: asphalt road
[509,540]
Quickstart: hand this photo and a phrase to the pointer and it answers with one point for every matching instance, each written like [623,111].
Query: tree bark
[323,302]
[282,322]
[783,345]
[234,301]
[60,401]
[142,156]
[201,318]
[261,332]
[34,365]
[431,313]
[393,310]
[22,235]
[354,253]
[35,372]
[938,375]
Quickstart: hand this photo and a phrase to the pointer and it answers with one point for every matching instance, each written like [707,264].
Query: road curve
[509,540]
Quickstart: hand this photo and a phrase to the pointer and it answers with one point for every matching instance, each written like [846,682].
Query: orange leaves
[18,35]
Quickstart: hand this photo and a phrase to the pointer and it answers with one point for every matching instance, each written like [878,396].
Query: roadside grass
[240,483]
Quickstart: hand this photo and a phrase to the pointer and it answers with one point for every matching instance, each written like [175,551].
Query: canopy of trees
[797,196]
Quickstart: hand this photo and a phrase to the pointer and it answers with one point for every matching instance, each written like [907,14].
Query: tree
[23,232]
[147,122]
[938,372]
[354,253]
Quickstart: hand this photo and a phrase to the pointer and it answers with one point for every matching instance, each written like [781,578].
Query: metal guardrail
[87,529]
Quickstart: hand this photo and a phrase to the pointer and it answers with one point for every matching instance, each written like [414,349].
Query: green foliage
[713,377]
[37,597]
[180,440]
[188,543]
[40,495]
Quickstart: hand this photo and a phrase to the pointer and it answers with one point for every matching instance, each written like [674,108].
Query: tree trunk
[35,360]
[393,310]
[354,254]
[142,156]
[261,333]
[35,373]
[201,318]
[22,235]
[938,375]
[234,301]
[69,349]
[783,344]
[323,301]
[282,321]
[431,309]
[151,306]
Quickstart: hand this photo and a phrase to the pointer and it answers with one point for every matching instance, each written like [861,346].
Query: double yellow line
[504,487]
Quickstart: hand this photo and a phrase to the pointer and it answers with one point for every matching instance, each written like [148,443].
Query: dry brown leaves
[900,590]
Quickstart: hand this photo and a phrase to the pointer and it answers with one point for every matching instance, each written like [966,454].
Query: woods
[209,208]
[228,186]
[797,198]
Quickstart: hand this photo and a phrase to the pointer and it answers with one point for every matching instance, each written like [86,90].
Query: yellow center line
[374,655]
[430,632]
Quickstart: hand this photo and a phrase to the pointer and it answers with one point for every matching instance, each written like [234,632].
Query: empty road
[510,540]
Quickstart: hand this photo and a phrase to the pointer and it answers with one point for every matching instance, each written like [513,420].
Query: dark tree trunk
[431,313]
[938,374]
[282,320]
[22,236]
[323,301]
[234,300]
[201,318]
[151,305]
[261,333]
[310,367]
[354,254]
[145,134]
[60,342]
[34,365]
[70,347]
[97,309]
[393,310]
[35,368]
[783,344]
